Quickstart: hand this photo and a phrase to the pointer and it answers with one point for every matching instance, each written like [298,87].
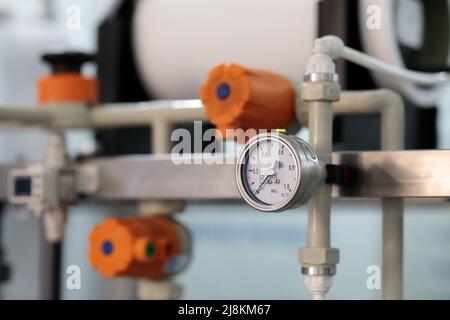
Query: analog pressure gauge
[276,172]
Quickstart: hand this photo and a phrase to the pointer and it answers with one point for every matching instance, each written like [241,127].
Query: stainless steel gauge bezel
[308,172]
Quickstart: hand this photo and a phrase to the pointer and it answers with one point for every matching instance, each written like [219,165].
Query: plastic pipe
[334,47]
[160,115]
[319,91]
[318,259]
[391,108]
[103,116]
[320,139]
[390,105]
[383,101]
[125,115]
[392,273]
[25,116]
[374,64]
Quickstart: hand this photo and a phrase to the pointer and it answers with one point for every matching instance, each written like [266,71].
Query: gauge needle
[274,172]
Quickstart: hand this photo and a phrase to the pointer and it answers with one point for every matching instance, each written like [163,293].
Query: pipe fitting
[160,207]
[318,256]
[325,270]
[317,76]
[159,290]
[318,285]
[321,91]
[330,45]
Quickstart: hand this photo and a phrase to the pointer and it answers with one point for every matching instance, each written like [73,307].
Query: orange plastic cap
[67,87]
[240,98]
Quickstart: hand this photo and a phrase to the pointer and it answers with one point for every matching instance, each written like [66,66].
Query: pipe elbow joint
[330,45]
[393,104]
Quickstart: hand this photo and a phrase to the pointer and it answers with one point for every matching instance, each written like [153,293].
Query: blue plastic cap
[223,91]
[107,247]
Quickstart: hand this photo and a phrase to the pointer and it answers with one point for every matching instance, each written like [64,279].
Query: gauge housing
[308,172]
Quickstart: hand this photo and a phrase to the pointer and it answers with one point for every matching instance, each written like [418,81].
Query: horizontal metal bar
[392,174]
[380,174]
[407,174]
[158,177]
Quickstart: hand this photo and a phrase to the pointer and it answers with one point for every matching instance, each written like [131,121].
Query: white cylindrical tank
[176,42]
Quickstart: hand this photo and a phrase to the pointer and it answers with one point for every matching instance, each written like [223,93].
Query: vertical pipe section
[168,289]
[392,138]
[391,108]
[320,139]
[392,271]
[160,135]
[318,259]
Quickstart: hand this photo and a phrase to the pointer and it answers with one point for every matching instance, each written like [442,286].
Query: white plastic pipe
[334,47]
[320,139]
[33,116]
[382,101]
[391,108]
[374,64]
[392,139]
[160,115]
[125,115]
[383,44]
[160,118]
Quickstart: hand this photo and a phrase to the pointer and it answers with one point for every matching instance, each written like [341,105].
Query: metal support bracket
[379,174]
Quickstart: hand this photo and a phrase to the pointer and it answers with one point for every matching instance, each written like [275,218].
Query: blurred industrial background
[238,252]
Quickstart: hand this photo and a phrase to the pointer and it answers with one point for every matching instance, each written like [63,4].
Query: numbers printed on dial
[270,172]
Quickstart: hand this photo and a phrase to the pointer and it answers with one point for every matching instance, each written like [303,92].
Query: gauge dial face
[270,172]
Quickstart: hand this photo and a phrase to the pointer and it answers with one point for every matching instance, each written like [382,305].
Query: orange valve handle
[68,87]
[66,84]
[236,97]
[153,248]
